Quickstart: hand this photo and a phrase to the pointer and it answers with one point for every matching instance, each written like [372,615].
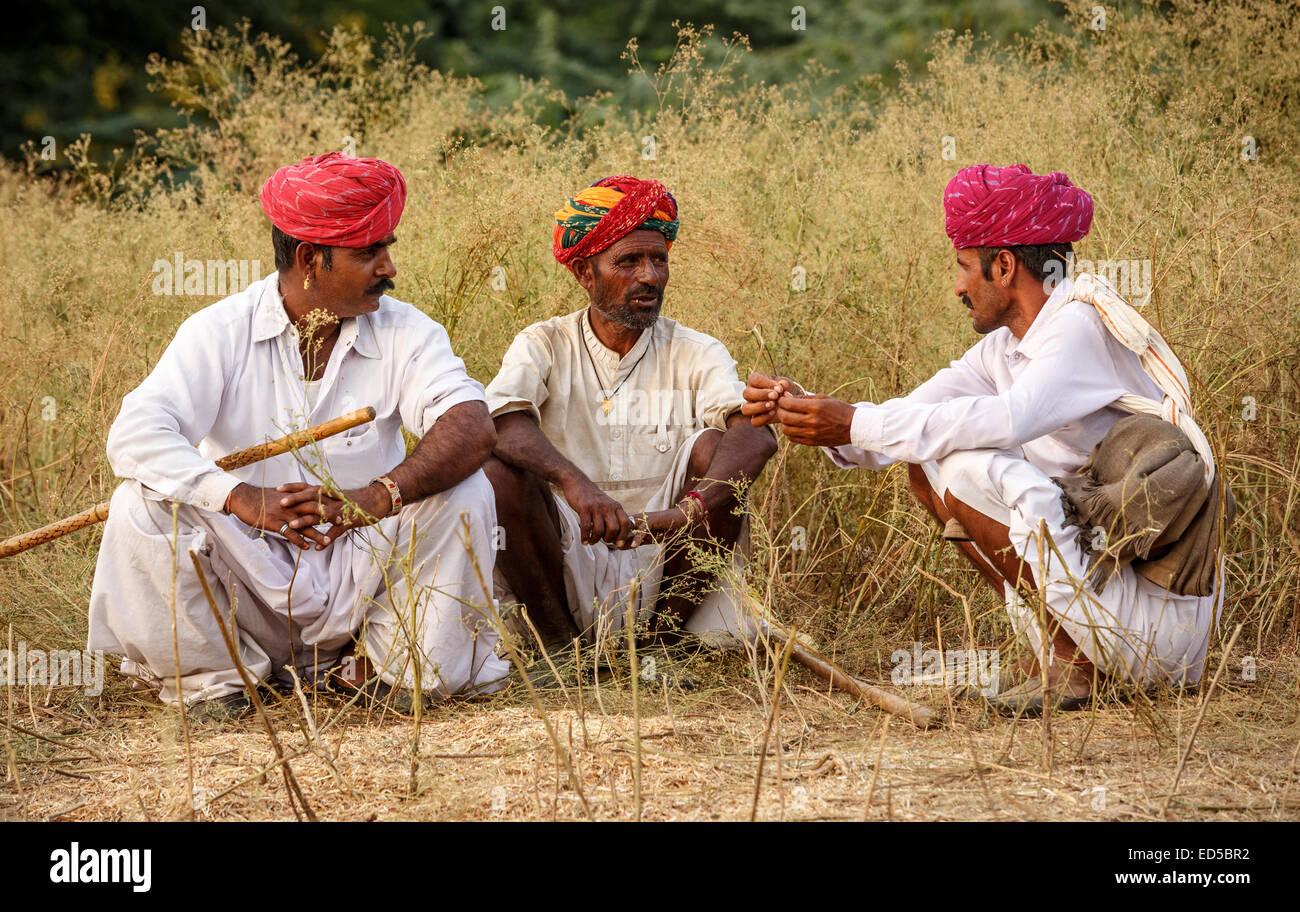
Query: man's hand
[815,420]
[262,508]
[312,505]
[762,392]
[600,517]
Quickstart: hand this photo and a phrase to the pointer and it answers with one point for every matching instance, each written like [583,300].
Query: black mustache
[965,300]
[381,287]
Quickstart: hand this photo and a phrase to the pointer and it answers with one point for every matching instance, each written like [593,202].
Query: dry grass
[491,759]
[1149,115]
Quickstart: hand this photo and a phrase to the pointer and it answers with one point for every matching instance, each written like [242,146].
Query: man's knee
[966,474]
[474,495]
[507,480]
[133,515]
[920,485]
[702,452]
[512,485]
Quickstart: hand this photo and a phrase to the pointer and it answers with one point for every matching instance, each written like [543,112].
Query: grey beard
[624,316]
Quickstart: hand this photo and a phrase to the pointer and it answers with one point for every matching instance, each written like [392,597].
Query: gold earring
[307,282]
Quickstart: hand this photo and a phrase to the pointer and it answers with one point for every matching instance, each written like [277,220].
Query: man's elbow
[117,447]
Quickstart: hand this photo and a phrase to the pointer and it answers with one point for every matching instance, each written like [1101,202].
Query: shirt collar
[607,356]
[270,319]
[1038,333]
[269,316]
[366,345]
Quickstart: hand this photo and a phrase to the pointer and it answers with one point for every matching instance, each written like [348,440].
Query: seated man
[985,438]
[315,339]
[635,421]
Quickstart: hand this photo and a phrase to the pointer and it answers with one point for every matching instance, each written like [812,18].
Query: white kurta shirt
[233,377]
[673,382]
[1046,395]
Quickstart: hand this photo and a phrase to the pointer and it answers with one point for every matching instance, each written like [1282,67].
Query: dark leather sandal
[1027,700]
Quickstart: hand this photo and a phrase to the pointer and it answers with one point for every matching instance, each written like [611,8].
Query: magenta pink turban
[986,206]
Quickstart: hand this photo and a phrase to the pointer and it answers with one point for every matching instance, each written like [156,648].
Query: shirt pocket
[351,459]
[652,448]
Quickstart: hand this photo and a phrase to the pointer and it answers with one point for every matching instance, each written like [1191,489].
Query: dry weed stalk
[297,801]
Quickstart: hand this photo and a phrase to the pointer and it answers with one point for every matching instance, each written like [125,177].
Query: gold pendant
[606,405]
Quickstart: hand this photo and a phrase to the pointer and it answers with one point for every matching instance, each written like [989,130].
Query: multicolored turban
[335,200]
[985,206]
[611,209]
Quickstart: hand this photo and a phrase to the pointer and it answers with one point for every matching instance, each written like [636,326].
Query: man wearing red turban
[347,544]
[634,420]
[985,437]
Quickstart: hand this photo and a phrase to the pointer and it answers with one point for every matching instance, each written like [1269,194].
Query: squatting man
[1027,440]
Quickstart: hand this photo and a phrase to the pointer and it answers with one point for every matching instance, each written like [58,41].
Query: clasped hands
[808,418]
[301,507]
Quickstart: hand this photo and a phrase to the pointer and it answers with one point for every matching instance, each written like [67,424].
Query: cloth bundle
[1151,483]
[1144,485]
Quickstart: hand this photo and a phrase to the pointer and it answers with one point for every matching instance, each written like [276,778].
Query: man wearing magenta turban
[346,551]
[1061,362]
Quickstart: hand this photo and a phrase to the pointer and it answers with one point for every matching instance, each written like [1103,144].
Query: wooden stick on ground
[918,715]
[99,512]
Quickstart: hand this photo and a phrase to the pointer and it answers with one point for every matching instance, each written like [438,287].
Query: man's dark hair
[1034,257]
[286,246]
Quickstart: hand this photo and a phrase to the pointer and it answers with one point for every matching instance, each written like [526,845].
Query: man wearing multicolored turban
[985,438]
[635,420]
[348,550]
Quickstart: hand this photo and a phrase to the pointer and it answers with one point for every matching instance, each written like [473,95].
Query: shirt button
[617,476]
[616,434]
[661,447]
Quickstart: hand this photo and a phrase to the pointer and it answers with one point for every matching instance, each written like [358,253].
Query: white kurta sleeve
[433,378]
[1070,377]
[718,390]
[154,437]
[966,376]
[520,385]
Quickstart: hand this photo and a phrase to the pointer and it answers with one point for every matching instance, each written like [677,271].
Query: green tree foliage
[76,67]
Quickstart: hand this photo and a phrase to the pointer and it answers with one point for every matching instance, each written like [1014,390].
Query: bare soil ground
[122,756]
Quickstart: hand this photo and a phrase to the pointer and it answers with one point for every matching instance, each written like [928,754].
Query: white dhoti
[598,579]
[407,581]
[1133,628]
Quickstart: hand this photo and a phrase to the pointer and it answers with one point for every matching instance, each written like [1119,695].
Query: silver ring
[284,529]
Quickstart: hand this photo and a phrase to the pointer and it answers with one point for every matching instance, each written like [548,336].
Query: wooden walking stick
[238,459]
[824,668]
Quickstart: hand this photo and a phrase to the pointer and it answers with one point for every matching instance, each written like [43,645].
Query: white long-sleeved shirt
[1047,395]
[233,377]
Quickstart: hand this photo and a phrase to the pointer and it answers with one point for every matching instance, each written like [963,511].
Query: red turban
[335,200]
[609,210]
[985,206]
